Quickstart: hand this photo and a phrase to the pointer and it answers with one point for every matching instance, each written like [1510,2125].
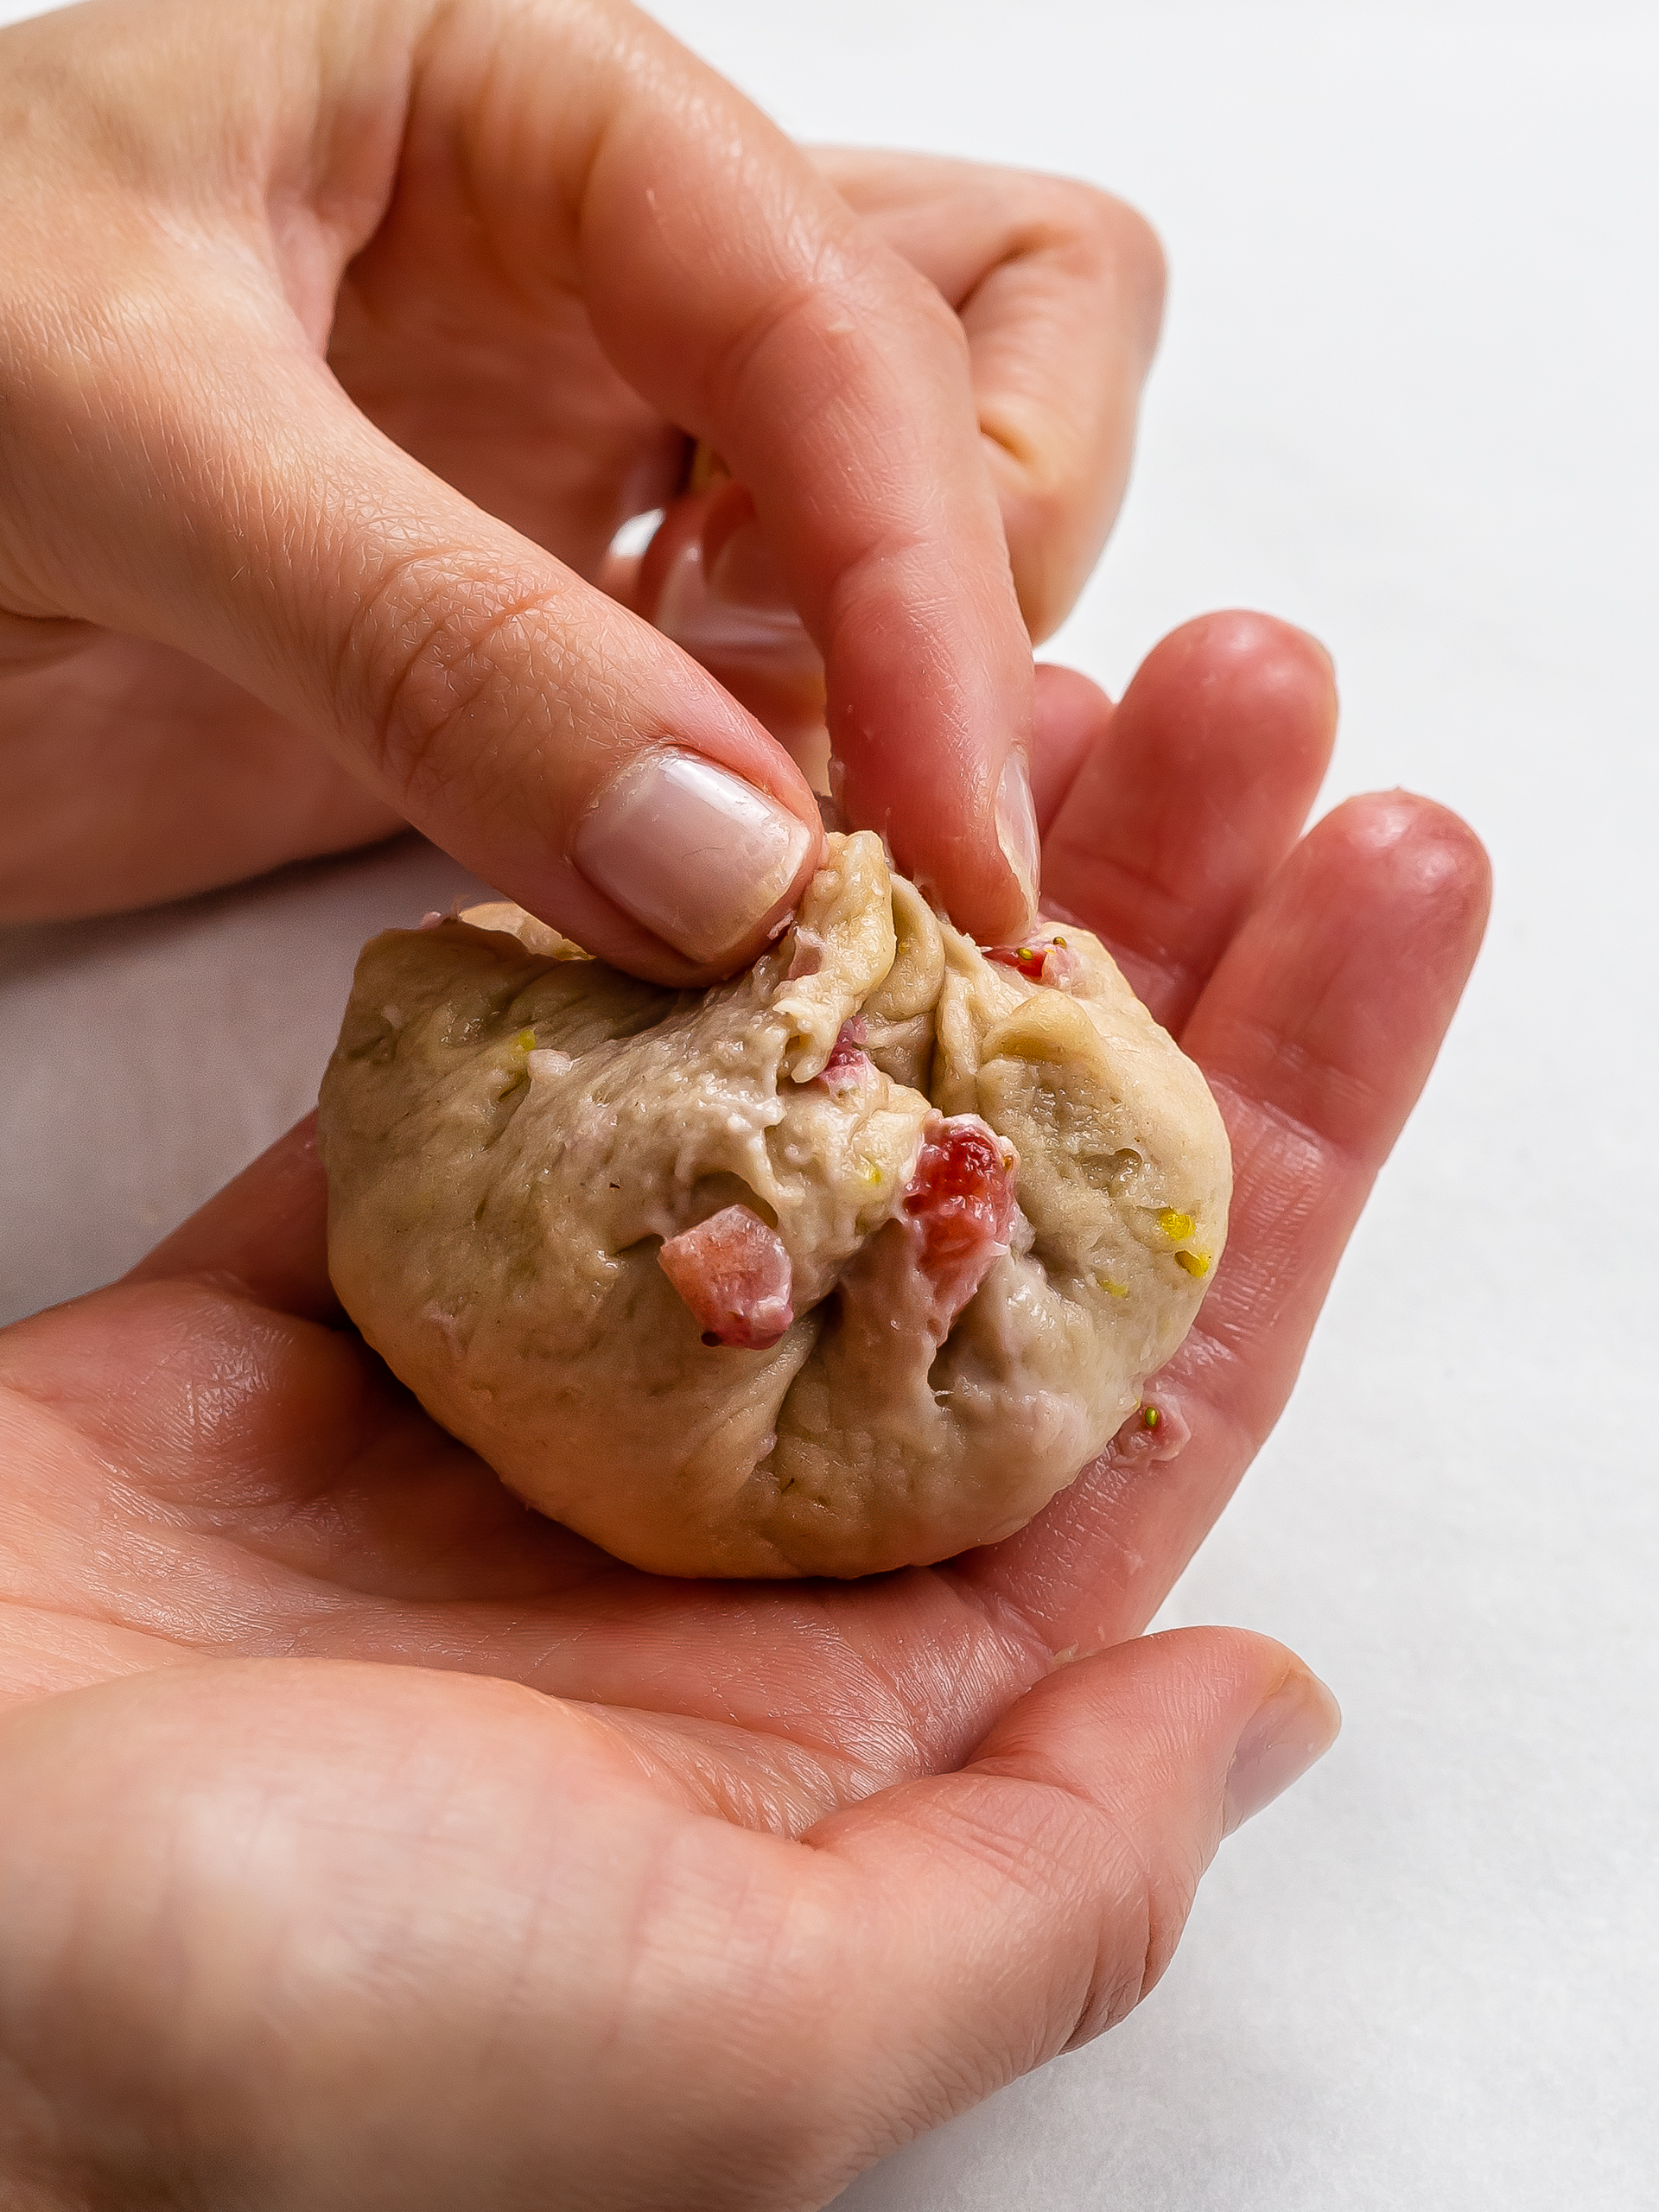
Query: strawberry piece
[846,1066]
[734,1274]
[1053,963]
[961,1197]
[1027,958]
[1157,1429]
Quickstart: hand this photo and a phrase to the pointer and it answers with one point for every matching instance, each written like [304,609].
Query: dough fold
[513,1131]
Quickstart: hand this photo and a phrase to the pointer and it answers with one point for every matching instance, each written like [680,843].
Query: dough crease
[993,1200]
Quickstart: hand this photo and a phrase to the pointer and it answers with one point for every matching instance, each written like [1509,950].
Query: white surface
[1406,398]
[144,1059]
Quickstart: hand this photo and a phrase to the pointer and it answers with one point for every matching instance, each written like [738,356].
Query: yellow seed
[1196,1263]
[872,1171]
[1174,1224]
[525,1040]
[1113,1289]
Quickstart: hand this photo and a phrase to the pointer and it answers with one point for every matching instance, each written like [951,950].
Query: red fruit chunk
[962,1197]
[847,1066]
[849,1038]
[1027,958]
[1052,963]
[733,1274]
[1157,1429]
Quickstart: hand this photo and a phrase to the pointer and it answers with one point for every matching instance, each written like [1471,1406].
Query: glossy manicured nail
[698,856]
[1016,829]
[1297,1726]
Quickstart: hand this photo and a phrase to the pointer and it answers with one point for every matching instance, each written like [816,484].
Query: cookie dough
[847,1264]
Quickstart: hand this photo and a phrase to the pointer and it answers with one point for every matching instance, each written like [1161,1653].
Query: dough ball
[847,1264]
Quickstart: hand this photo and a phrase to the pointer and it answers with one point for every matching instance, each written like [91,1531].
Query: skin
[369,1841]
[338,339]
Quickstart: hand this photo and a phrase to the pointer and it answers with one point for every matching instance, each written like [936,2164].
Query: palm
[269,1464]
[208,1465]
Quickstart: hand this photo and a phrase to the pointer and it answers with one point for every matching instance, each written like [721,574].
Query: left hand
[310,1901]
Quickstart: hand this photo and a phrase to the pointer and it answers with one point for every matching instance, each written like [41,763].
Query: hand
[338,339]
[368,1842]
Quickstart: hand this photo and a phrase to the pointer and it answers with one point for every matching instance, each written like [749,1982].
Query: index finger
[741,294]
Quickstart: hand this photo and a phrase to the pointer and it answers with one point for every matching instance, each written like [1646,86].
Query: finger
[263,1236]
[1180,813]
[1317,1032]
[755,308]
[708,581]
[1021,1906]
[1059,290]
[1069,721]
[556,744]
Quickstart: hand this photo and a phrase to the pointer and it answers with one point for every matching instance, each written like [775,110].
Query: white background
[1407,397]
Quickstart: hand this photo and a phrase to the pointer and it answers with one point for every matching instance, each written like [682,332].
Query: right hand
[336,339]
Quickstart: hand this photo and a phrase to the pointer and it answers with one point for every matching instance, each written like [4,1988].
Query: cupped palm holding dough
[847,1264]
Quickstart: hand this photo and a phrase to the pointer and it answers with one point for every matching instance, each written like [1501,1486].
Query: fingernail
[692,851]
[1296,1726]
[1016,828]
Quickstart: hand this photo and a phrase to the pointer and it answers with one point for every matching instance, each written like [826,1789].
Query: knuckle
[1143,270]
[854,301]
[1117,247]
[422,652]
[1075,1863]
[1147,1904]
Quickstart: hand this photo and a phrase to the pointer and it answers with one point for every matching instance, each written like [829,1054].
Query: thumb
[1021,1906]
[235,504]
